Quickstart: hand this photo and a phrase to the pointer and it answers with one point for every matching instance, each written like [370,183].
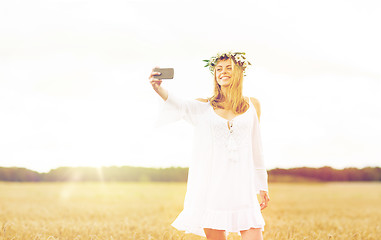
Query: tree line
[179,174]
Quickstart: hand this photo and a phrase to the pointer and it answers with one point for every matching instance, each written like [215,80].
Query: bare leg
[252,234]
[215,234]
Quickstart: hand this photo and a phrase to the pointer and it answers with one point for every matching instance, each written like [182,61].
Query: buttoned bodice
[232,134]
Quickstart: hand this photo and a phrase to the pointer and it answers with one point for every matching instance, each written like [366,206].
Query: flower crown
[238,58]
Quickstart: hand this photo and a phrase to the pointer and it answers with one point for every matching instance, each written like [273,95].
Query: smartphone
[166,73]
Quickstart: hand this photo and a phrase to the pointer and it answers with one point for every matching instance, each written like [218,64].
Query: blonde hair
[233,92]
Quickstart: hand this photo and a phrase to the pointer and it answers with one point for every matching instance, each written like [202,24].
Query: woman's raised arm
[156,85]
[175,107]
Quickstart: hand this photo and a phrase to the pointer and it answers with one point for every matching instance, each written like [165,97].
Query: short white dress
[226,172]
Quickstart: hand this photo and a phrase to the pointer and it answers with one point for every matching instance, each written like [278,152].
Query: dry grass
[146,210]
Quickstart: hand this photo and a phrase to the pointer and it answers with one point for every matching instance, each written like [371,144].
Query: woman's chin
[225,84]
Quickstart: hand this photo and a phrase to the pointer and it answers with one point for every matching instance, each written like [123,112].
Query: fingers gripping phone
[166,73]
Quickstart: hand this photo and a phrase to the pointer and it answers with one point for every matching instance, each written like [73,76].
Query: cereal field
[146,210]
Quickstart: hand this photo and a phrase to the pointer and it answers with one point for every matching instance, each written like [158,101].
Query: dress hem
[187,230]
[194,221]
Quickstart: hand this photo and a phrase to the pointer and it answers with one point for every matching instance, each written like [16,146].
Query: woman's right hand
[155,82]
[264,199]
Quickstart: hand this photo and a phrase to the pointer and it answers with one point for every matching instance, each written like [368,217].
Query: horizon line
[179,167]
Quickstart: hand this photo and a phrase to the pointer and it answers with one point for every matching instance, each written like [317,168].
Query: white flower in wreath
[239,59]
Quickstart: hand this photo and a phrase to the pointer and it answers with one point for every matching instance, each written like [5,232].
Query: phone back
[166,73]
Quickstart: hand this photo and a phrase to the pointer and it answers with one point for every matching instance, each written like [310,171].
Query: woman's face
[224,71]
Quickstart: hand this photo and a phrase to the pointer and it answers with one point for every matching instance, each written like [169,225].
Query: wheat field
[137,211]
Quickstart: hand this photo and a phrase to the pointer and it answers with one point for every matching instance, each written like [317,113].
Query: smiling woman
[227,168]
[228,71]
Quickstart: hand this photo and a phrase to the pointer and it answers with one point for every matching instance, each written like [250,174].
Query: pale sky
[74,88]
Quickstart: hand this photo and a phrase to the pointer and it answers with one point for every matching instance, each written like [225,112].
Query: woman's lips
[224,78]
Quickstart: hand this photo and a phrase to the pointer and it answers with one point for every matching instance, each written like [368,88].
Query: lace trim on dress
[224,220]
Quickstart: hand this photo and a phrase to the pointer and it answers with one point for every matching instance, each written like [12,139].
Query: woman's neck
[226,103]
[224,90]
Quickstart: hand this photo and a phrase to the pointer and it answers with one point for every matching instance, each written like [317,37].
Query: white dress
[226,171]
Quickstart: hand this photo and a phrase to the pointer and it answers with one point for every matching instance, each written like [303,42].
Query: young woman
[227,169]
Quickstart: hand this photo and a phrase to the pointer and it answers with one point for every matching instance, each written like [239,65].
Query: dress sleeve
[176,108]
[259,165]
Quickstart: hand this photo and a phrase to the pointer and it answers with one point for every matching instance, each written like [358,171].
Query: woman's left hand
[264,199]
